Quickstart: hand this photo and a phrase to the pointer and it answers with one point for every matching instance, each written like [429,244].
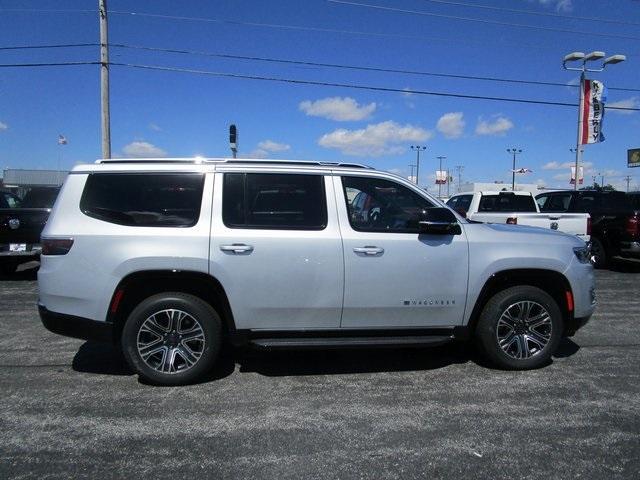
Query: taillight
[633,225]
[589,225]
[512,220]
[56,246]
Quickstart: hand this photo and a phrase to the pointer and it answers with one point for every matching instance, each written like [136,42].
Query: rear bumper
[31,250]
[76,327]
[631,249]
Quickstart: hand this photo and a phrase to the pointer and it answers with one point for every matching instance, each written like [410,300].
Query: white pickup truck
[518,208]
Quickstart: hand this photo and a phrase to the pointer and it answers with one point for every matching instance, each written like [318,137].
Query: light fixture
[572,57]
[613,59]
[597,55]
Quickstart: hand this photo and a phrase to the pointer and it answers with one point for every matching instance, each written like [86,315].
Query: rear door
[395,277]
[275,247]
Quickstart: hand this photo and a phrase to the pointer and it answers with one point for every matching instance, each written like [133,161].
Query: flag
[580,177]
[522,170]
[441,177]
[594,96]
[62,140]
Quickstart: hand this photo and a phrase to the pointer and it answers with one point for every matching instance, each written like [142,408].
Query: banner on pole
[594,96]
[441,177]
[580,176]
[633,157]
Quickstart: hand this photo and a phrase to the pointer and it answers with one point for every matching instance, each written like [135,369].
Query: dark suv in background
[21,222]
[615,223]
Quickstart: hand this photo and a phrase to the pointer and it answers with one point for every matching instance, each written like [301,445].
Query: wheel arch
[137,286]
[550,281]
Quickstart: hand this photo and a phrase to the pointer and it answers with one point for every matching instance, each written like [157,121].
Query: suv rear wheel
[172,338]
[520,328]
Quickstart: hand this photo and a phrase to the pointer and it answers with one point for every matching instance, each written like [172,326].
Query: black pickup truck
[615,224]
[21,222]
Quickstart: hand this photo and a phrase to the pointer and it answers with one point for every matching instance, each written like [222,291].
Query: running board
[350,342]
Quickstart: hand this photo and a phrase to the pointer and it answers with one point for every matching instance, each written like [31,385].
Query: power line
[64,45]
[355,67]
[479,20]
[531,12]
[354,86]
[49,64]
[300,62]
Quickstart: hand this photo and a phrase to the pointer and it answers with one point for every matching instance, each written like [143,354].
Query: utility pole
[417,149]
[514,151]
[628,179]
[104,80]
[459,169]
[440,157]
[411,177]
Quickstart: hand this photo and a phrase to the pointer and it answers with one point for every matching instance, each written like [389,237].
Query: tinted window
[376,205]
[507,202]
[556,203]
[274,201]
[40,197]
[145,199]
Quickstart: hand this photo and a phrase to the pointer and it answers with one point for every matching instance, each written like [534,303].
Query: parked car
[21,222]
[517,208]
[634,199]
[171,258]
[615,225]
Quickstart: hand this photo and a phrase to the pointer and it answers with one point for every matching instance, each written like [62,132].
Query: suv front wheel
[172,338]
[520,328]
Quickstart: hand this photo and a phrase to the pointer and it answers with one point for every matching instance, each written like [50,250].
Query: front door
[395,277]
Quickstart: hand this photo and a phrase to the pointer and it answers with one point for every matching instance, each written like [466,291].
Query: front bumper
[76,327]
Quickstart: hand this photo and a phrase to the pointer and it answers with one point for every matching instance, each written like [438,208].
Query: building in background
[16,178]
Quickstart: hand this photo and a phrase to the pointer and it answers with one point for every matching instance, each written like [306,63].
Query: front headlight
[583,253]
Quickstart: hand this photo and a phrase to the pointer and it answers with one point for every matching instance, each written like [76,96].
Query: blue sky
[180,114]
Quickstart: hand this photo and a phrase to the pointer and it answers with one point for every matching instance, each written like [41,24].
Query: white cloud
[267,147]
[565,165]
[140,149]
[341,109]
[559,5]
[155,127]
[385,138]
[499,126]
[633,102]
[271,146]
[451,125]
[3,126]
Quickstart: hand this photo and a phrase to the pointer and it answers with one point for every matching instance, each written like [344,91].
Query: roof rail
[200,160]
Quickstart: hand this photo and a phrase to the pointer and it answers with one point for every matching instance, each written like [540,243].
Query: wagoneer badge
[554,225]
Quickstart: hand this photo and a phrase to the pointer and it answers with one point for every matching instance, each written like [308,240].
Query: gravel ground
[72,409]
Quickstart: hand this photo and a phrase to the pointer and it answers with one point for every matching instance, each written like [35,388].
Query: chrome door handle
[237,248]
[368,250]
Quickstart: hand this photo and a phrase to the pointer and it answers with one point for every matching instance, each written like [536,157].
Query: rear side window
[507,203]
[40,197]
[556,203]
[274,201]
[144,199]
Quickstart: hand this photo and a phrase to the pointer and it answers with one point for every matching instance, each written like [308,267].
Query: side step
[350,342]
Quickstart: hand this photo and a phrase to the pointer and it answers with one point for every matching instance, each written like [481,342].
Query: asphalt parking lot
[71,409]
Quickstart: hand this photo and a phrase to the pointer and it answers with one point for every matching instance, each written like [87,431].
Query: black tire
[8,268]
[599,254]
[201,320]
[488,329]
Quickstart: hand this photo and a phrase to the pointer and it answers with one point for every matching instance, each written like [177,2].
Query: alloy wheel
[524,329]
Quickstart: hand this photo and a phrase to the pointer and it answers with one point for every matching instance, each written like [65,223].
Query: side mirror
[439,221]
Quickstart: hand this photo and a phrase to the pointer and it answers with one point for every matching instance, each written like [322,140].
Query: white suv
[171,257]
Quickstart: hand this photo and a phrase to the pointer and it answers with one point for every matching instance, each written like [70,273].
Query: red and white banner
[592,112]
[580,177]
[441,177]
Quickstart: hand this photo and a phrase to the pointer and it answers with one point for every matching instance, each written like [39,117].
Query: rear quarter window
[144,199]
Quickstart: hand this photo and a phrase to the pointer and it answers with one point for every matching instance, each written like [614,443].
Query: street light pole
[459,169]
[514,151]
[411,177]
[579,56]
[441,157]
[104,80]
[417,149]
